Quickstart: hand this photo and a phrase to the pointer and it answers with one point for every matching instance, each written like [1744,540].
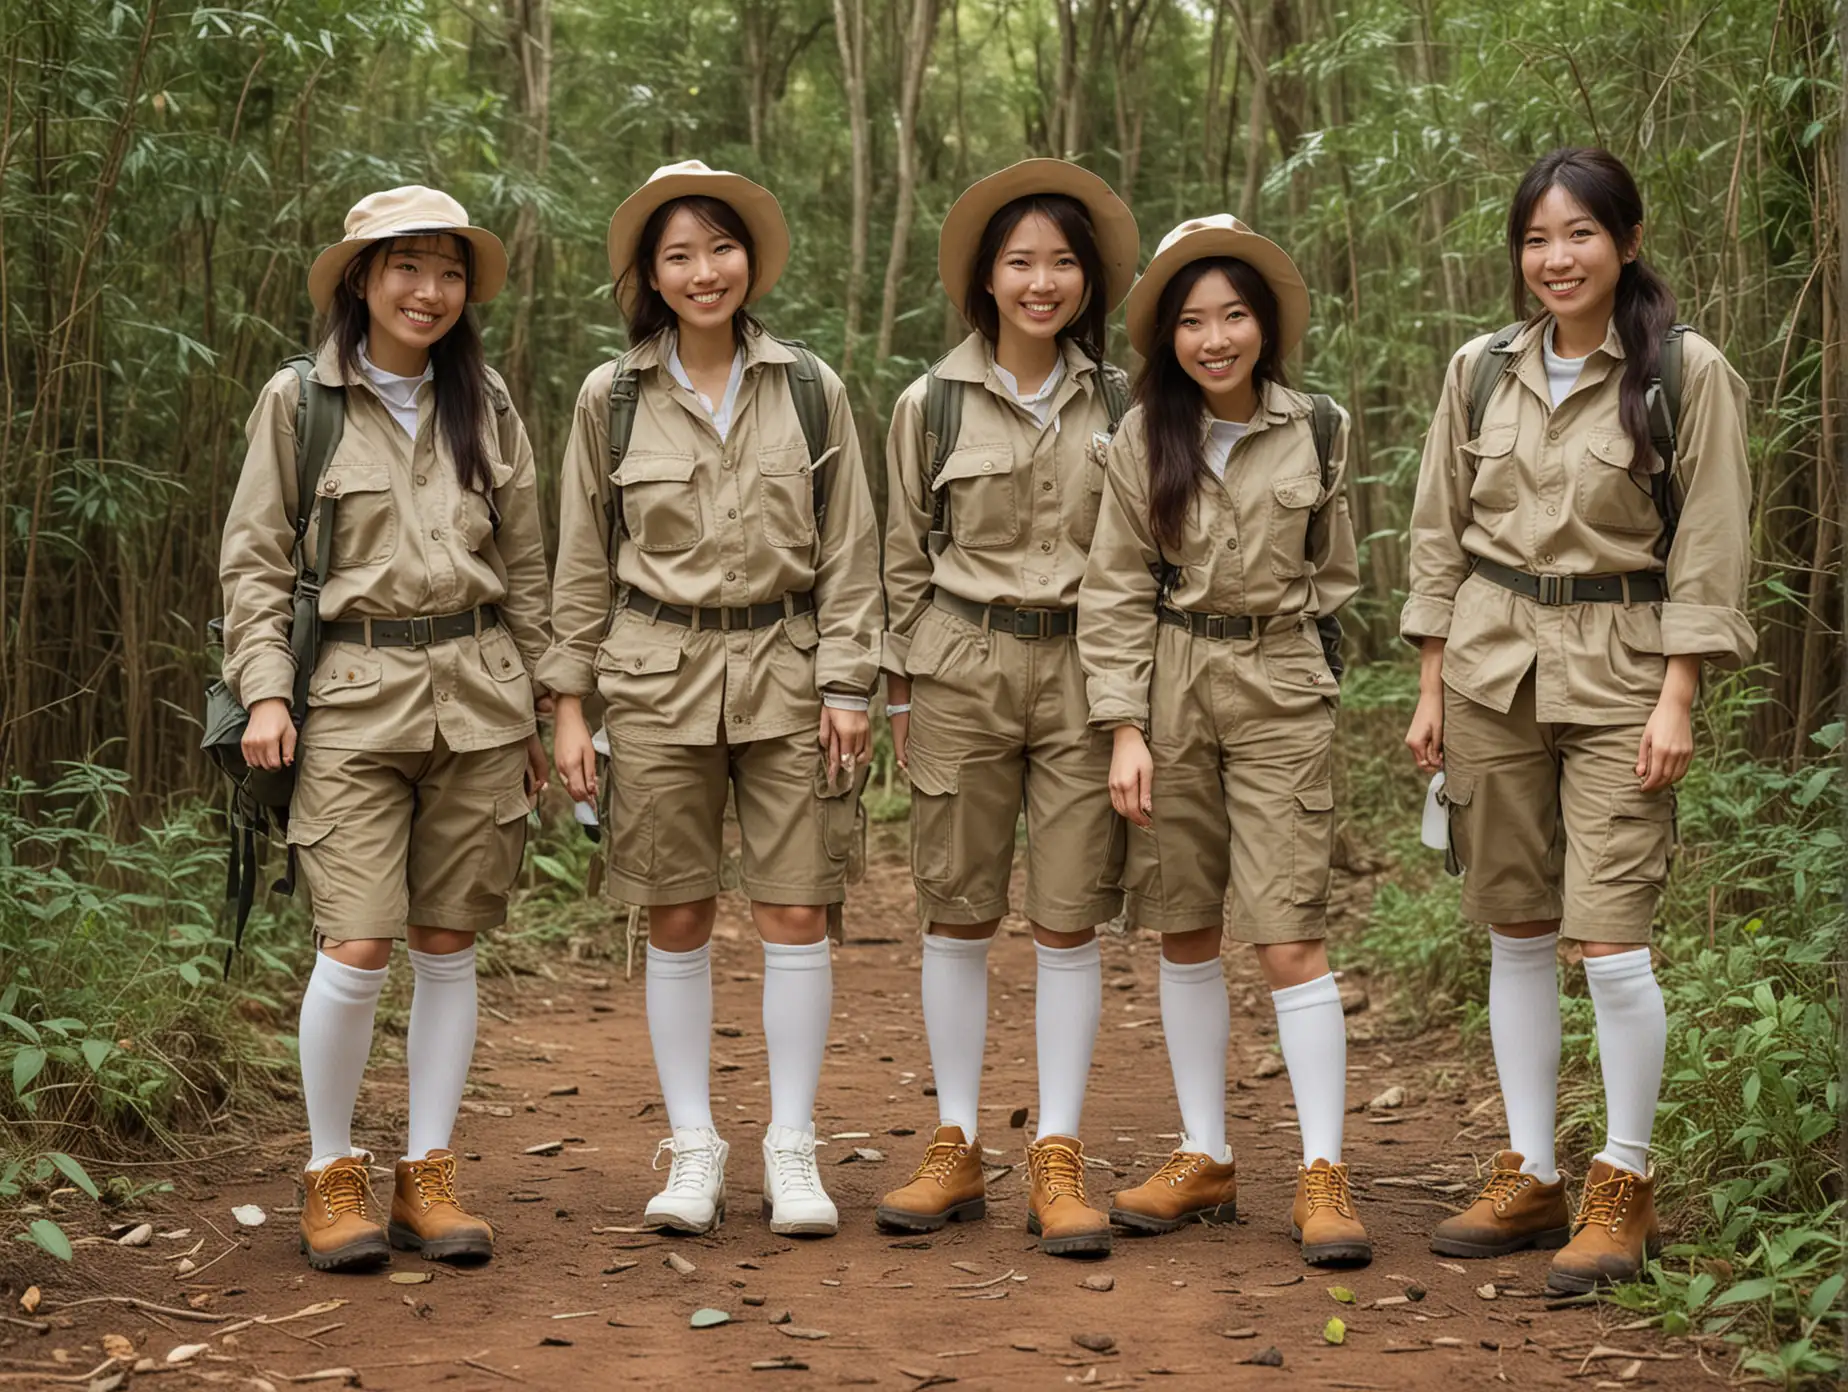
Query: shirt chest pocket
[984,510]
[365,514]
[788,506]
[1292,503]
[1608,495]
[1493,486]
[660,501]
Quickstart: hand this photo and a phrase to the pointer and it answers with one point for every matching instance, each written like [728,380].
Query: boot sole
[465,1249]
[1549,1240]
[356,1255]
[1565,1283]
[903,1220]
[1093,1244]
[668,1223]
[1334,1253]
[1146,1224]
[799,1228]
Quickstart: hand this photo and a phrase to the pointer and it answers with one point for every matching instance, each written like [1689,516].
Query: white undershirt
[1219,441]
[398,393]
[1040,402]
[1562,374]
[722,414]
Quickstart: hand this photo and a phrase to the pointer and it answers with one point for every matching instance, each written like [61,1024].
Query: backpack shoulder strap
[943,403]
[1490,365]
[810,397]
[1662,401]
[320,419]
[1115,383]
[1325,424]
[625,387]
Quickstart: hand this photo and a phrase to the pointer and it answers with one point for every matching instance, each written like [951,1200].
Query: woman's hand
[844,737]
[572,751]
[898,693]
[1667,746]
[1132,776]
[538,769]
[269,735]
[1425,738]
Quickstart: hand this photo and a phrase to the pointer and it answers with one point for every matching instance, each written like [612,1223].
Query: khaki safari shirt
[1550,491]
[1265,540]
[1023,497]
[409,541]
[710,522]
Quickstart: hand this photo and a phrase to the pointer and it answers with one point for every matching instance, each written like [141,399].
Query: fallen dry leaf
[29,1302]
[118,1346]
[410,1278]
[185,1351]
[249,1215]
[138,1236]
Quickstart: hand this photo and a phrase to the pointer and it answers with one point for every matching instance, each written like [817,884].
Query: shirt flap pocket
[929,777]
[1614,447]
[802,630]
[341,670]
[640,658]
[1298,492]
[310,831]
[1494,442]
[356,478]
[977,461]
[779,461]
[1458,788]
[510,806]
[654,466]
[1320,798]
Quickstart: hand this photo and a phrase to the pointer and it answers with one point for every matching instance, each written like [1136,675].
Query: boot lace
[435,1181]
[1060,1170]
[1603,1204]
[1180,1166]
[1502,1185]
[939,1160]
[345,1189]
[796,1175]
[1328,1188]
[690,1169]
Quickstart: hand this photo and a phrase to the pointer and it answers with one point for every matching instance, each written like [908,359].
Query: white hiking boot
[694,1200]
[794,1200]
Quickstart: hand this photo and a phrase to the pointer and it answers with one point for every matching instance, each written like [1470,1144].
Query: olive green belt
[1006,618]
[1203,625]
[1631,587]
[728,619]
[419,632]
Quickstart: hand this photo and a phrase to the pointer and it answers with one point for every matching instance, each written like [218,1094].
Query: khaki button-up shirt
[708,522]
[409,541]
[1551,491]
[1023,497]
[1266,540]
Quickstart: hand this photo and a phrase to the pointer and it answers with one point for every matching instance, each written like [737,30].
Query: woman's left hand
[1667,747]
[845,737]
[538,768]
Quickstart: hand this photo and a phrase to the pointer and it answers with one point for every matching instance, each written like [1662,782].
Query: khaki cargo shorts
[389,839]
[802,839]
[1241,732]
[1547,821]
[997,720]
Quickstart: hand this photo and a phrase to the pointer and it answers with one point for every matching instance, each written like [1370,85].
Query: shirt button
[1044,580]
[731,512]
[1046,487]
[350,676]
[1045,546]
[1547,559]
[1552,434]
[1231,543]
[725,462]
[731,575]
[638,664]
[442,695]
[505,664]
[988,466]
[421,480]
[737,720]
[1552,510]
[436,534]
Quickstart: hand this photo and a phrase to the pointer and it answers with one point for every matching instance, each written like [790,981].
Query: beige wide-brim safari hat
[1220,235]
[754,203]
[1117,240]
[408,212]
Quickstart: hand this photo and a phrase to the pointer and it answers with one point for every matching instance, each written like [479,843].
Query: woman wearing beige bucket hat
[996,460]
[418,761]
[1224,535]
[714,472]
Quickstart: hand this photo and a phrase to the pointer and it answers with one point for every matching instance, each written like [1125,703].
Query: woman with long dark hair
[1579,548]
[996,460]
[718,586]
[418,763]
[1224,536]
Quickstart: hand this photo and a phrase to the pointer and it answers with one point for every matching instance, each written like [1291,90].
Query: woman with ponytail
[1579,548]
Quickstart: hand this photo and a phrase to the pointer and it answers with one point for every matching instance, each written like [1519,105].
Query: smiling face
[415,291]
[1570,261]
[1217,341]
[1037,281]
[702,273]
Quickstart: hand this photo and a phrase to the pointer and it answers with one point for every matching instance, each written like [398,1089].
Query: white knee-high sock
[335,1038]
[439,1046]
[1196,1021]
[955,992]
[798,1002]
[1632,1037]
[679,996]
[1313,1036]
[1068,1000]
[1524,1029]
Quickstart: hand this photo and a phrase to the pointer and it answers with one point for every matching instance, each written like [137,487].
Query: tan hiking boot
[1189,1188]
[338,1230]
[947,1188]
[1057,1212]
[1322,1218]
[1514,1211]
[426,1218]
[1614,1234]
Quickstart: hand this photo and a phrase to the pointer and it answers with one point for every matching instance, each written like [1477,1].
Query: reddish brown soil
[577,1298]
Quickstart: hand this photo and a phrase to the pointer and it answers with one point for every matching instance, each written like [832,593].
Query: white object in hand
[586,812]
[1436,830]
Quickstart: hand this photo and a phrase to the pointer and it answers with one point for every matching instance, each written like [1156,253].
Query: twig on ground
[137,1303]
[475,1362]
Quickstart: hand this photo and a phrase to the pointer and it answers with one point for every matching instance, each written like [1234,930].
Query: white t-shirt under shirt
[1039,402]
[722,413]
[398,393]
[1562,374]
[1219,441]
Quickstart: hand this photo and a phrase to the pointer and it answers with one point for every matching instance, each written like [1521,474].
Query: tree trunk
[918,38]
[850,33]
[529,44]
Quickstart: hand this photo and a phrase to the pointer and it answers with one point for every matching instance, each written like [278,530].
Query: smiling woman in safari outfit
[735,650]
[1566,587]
[418,761]
[992,511]
[1224,537]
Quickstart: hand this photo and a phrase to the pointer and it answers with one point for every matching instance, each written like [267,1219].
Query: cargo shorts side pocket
[304,834]
[1312,842]
[843,819]
[1639,832]
[630,834]
[506,847]
[933,789]
[1459,787]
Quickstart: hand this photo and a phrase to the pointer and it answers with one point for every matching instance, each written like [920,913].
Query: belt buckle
[1218,626]
[1554,589]
[420,631]
[1038,627]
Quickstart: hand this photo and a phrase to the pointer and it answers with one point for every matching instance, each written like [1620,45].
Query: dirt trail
[577,1297]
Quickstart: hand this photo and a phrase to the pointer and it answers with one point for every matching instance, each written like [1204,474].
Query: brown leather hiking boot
[947,1188]
[1189,1188]
[1322,1218]
[1513,1211]
[1614,1233]
[338,1230]
[426,1218]
[1057,1213]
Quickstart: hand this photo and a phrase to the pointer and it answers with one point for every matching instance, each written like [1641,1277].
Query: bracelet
[898,710]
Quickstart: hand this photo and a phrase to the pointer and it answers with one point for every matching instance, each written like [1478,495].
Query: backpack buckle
[1554,589]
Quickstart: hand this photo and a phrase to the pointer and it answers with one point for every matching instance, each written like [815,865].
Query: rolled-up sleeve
[521,544]
[256,562]
[849,607]
[1440,512]
[586,554]
[1116,601]
[907,533]
[1708,566]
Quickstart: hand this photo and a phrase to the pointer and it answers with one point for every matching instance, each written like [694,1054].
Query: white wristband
[898,710]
